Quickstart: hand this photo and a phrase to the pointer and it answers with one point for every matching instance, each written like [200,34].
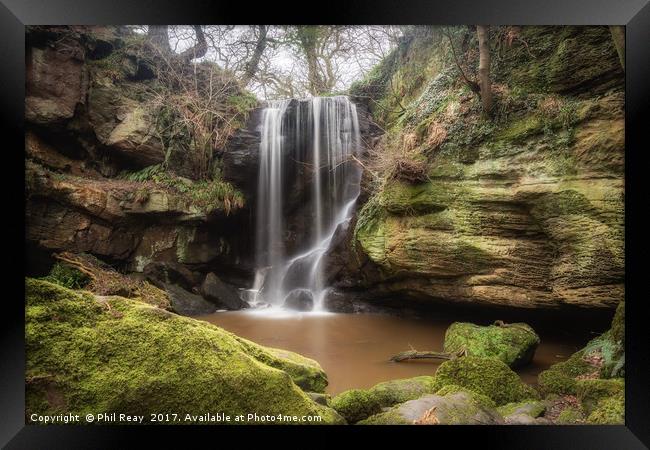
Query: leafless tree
[484,68]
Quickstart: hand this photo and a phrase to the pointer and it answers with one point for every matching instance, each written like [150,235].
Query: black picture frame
[634,14]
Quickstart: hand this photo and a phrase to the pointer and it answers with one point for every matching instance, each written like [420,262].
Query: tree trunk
[252,65]
[484,69]
[308,37]
[618,36]
[199,49]
[159,37]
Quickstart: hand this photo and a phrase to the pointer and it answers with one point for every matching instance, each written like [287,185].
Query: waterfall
[306,153]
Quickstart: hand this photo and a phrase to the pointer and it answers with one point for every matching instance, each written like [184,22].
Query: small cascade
[306,152]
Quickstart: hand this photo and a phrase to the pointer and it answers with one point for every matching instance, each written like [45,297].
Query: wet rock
[300,300]
[336,301]
[513,343]
[221,294]
[162,273]
[186,303]
[241,156]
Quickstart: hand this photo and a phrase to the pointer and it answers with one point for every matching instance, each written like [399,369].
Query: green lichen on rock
[487,376]
[357,404]
[89,355]
[590,392]
[513,344]
[609,411]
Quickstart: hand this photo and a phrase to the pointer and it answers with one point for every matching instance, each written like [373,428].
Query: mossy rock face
[513,344]
[487,376]
[357,404]
[525,209]
[121,355]
[590,392]
[610,411]
[455,408]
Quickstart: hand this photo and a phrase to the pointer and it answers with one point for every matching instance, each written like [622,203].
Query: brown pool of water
[355,349]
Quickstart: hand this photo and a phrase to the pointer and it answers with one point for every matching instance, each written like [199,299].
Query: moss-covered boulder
[514,344]
[532,408]
[571,416]
[487,376]
[609,411]
[87,354]
[357,404]
[603,357]
[454,408]
[560,378]
[590,392]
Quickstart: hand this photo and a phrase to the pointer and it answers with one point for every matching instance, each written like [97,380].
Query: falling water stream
[314,140]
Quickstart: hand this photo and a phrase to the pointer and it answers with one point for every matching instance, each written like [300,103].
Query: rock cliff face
[98,129]
[525,209]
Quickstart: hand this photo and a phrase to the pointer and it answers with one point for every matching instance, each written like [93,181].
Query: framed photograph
[384,215]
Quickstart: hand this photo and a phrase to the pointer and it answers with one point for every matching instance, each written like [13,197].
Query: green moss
[486,376]
[458,406]
[590,392]
[481,399]
[618,324]
[67,276]
[517,131]
[304,371]
[357,404]
[531,408]
[120,355]
[610,411]
[570,416]
[391,417]
[560,377]
[514,344]
[205,195]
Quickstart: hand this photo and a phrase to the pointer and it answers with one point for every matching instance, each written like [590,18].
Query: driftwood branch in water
[414,354]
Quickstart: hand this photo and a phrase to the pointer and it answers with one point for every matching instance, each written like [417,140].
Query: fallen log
[414,354]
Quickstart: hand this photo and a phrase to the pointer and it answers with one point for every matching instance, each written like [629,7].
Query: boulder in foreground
[513,343]
[88,355]
[456,408]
